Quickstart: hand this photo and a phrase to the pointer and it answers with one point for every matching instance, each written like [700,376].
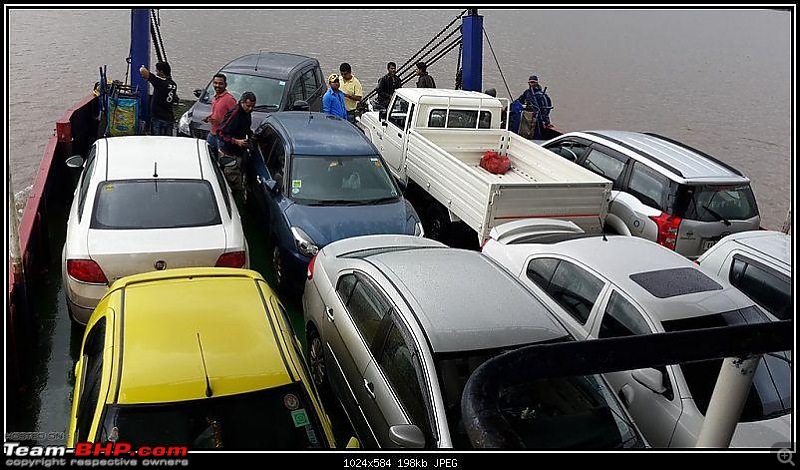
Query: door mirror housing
[226,161]
[651,379]
[75,161]
[300,105]
[407,436]
[403,185]
[198,92]
[382,115]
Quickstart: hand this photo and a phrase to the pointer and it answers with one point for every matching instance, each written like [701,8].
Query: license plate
[708,244]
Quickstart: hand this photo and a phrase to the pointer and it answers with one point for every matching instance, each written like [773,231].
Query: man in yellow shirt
[352,90]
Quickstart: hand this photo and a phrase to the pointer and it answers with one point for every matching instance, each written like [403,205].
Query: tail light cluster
[310,273]
[86,270]
[234,259]
[667,229]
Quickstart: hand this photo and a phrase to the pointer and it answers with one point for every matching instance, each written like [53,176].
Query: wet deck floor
[45,404]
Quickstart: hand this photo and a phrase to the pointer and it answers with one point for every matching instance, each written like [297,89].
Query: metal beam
[140,55]
[472,52]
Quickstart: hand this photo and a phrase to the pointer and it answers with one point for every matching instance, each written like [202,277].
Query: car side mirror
[272,185]
[651,379]
[353,443]
[226,161]
[382,115]
[198,92]
[403,185]
[300,105]
[75,161]
[407,436]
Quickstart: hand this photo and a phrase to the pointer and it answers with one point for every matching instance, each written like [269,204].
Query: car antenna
[209,392]
[155,169]
[257,59]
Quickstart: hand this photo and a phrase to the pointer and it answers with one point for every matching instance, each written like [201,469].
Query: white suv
[664,191]
[758,263]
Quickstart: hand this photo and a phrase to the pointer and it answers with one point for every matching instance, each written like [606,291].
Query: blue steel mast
[472,53]
[140,55]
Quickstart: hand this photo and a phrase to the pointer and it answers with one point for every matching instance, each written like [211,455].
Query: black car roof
[319,134]
[268,64]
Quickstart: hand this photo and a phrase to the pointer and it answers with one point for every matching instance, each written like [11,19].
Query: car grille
[199,134]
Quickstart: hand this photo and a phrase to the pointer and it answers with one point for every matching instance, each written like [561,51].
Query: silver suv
[664,191]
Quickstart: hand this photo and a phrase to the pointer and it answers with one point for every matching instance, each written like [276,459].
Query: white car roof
[774,244]
[134,157]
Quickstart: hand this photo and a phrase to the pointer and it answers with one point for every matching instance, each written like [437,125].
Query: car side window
[92,378]
[621,318]
[648,185]
[575,290]
[768,288]
[318,75]
[310,83]
[297,92]
[276,159]
[541,270]
[401,365]
[607,166]
[399,112]
[367,307]
[569,149]
[85,179]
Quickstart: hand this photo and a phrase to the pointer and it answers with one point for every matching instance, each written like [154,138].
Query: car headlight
[183,124]
[418,230]
[304,243]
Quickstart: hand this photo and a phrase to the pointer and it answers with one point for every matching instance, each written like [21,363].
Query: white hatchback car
[621,286]
[146,203]
[758,263]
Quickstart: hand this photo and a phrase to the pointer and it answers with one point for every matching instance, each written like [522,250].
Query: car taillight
[235,259]
[485,241]
[667,229]
[310,273]
[86,270]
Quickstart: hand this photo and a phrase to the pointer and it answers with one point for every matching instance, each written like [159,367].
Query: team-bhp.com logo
[123,449]
[19,455]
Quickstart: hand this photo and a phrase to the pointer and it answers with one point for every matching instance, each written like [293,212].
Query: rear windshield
[277,418]
[318,180]
[713,203]
[771,393]
[154,203]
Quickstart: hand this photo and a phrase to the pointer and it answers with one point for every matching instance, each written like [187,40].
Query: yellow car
[201,357]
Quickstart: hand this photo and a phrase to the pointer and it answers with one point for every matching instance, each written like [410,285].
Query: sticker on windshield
[281,83]
[312,436]
[109,187]
[300,418]
[295,190]
[291,401]
[333,164]
[297,183]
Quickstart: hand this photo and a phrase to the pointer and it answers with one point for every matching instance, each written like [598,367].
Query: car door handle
[370,388]
[399,135]
[329,313]
[259,180]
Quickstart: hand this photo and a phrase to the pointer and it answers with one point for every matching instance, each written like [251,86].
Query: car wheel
[278,267]
[316,362]
[437,223]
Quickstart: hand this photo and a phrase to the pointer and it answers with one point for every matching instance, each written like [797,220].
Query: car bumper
[82,298]
[295,268]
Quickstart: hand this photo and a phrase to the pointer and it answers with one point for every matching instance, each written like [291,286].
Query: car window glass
[621,318]
[310,83]
[319,77]
[276,158]
[571,150]
[575,290]
[93,373]
[648,185]
[604,165]
[297,92]
[85,178]
[709,203]
[367,307]
[268,91]
[400,363]
[399,112]
[223,187]
[768,288]
[541,270]
[345,287]
[459,119]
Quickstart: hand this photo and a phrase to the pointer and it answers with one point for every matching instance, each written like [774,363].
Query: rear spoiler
[530,230]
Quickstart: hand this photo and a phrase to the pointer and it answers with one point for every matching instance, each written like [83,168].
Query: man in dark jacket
[233,136]
[535,100]
[387,85]
[164,98]
[424,80]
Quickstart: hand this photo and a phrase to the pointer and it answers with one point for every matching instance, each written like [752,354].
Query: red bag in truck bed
[495,163]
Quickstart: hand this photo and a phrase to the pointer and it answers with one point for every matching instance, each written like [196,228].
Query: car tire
[438,222]
[316,363]
[278,267]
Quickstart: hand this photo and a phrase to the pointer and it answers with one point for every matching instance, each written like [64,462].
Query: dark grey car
[397,324]
[278,79]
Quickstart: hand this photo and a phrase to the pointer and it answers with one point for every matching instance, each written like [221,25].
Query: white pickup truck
[433,140]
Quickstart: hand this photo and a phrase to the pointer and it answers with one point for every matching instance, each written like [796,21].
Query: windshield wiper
[336,202]
[381,200]
[716,215]
[262,107]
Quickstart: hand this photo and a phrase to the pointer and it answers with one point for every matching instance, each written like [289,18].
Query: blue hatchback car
[318,179]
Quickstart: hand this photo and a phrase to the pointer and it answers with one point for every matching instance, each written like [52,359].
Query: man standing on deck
[352,90]
[233,134]
[536,100]
[221,103]
[424,80]
[165,96]
[387,85]
[333,100]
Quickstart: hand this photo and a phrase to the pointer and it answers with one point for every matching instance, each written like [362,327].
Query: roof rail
[699,152]
[637,151]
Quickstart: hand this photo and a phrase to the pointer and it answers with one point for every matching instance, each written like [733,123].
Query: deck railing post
[140,55]
[472,52]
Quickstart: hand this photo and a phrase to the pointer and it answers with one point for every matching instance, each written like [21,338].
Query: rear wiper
[716,215]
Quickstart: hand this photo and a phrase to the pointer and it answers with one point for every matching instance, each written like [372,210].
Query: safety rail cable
[436,58]
[502,75]
[155,32]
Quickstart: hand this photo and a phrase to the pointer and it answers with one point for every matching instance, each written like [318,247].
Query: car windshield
[771,393]
[276,418]
[269,91]
[714,203]
[562,413]
[155,203]
[317,180]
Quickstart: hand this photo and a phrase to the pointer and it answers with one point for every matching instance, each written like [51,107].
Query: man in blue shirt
[333,101]
[536,100]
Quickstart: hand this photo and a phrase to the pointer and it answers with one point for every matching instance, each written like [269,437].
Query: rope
[155,32]
[497,62]
[411,61]
[436,58]
[459,72]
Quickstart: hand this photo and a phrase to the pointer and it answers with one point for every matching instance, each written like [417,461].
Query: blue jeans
[213,143]
[161,127]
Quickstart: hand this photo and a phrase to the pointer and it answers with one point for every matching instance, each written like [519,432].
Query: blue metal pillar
[472,53]
[140,55]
